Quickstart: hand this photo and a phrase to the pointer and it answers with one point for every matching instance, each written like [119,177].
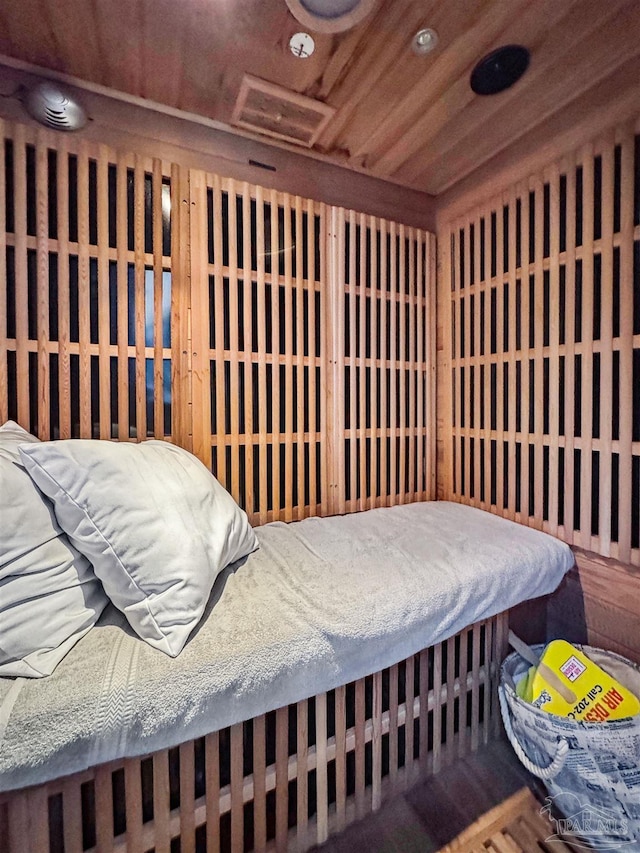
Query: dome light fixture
[330,16]
[424,41]
[499,69]
[54,106]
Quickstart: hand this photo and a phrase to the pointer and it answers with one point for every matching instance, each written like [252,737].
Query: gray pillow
[154,521]
[49,595]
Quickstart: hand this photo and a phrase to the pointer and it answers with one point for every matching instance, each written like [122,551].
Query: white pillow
[49,596]
[155,523]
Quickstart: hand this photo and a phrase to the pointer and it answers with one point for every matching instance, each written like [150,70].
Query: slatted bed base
[282,781]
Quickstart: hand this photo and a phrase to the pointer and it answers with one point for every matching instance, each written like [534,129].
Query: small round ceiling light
[424,41]
[54,106]
[499,69]
[330,16]
[302,45]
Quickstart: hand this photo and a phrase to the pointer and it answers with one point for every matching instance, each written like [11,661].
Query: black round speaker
[499,69]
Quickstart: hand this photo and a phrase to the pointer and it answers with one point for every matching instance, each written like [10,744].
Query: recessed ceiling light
[301,45]
[330,16]
[500,69]
[424,41]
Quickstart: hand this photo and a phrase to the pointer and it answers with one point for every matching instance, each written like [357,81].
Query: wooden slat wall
[312,352]
[283,781]
[257,313]
[381,351]
[87,326]
[540,393]
[141,299]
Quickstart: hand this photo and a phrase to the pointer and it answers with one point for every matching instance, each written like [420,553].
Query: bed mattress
[322,602]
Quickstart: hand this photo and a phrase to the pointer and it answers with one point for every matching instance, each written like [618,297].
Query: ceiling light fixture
[424,41]
[301,45]
[330,16]
[500,69]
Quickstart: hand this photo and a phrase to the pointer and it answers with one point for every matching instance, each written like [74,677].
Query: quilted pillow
[154,522]
[49,596]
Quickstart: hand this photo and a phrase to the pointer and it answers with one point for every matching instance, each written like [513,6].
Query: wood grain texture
[405,118]
[552,403]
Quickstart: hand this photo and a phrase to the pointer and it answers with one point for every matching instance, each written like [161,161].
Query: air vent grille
[278,112]
[54,107]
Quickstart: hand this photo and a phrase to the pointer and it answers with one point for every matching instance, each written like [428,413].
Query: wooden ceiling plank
[374,56]
[530,28]
[164,46]
[475,38]
[78,48]
[613,101]
[570,40]
[588,62]
[30,34]
[119,34]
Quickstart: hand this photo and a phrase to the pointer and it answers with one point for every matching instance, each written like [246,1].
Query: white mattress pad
[322,602]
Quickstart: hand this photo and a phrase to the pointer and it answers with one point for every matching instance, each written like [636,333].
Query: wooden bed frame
[282,781]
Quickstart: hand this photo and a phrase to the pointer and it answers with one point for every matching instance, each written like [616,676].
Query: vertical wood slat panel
[187,798]
[183,403]
[275,376]
[376,742]
[605,389]
[104,372]
[311,348]
[569,376]
[247,367]
[139,298]
[568,468]
[360,747]
[4,374]
[104,809]
[84,284]
[122,238]
[42,261]
[133,805]
[72,817]
[341,771]
[237,814]
[261,306]
[409,762]
[353,359]
[282,779]
[259,785]
[288,361]
[233,356]
[212,794]
[161,802]
[302,773]
[198,312]
[586,415]
[626,343]
[158,287]
[62,216]
[322,793]
[553,401]
[21,276]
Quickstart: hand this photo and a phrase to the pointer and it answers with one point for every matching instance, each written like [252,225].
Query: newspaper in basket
[591,770]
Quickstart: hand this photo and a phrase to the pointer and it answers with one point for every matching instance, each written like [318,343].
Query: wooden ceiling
[408,119]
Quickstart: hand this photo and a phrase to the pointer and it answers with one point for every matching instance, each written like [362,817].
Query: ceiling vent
[278,112]
[55,107]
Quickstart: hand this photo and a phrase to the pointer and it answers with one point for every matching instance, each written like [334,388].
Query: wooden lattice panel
[541,294]
[285,780]
[85,289]
[381,388]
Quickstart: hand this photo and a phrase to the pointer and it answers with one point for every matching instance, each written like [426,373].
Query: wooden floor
[482,803]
